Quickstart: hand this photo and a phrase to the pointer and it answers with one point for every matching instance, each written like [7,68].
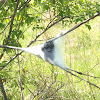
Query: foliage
[35,78]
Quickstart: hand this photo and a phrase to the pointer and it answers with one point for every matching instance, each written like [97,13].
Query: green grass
[40,79]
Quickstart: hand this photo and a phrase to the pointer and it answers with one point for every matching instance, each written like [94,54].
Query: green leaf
[88,26]
[16,33]
[2,25]
[77,20]
[61,1]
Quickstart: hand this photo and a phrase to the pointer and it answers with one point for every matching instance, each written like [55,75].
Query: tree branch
[10,30]
[78,25]
[12,19]
[2,89]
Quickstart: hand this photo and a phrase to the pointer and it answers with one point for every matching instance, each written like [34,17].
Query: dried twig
[48,89]
[39,91]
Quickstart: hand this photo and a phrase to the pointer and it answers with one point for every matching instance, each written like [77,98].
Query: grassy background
[40,80]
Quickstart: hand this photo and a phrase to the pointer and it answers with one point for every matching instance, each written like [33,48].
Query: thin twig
[38,11]
[3,2]
[94,67]
[83,79]
[22,5]
[15,92]
[54,92]
[25,5]
[5,27]
[28,89]
[80,73]
[48,89]
[39,91]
